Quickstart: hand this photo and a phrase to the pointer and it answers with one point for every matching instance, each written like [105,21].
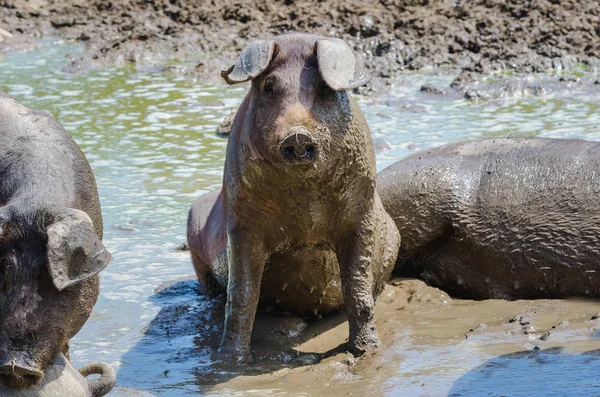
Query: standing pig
[50,248]
[298,205]
[504,218]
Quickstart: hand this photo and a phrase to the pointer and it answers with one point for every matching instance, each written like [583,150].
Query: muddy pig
[63,380]
[298,204]
[503,218]
[50,247]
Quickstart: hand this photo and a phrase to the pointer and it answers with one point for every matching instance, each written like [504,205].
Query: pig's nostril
[297,152]
[31,379]
[288,152]
[4,378]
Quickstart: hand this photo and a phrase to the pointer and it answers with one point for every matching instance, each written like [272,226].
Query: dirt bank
[475,37]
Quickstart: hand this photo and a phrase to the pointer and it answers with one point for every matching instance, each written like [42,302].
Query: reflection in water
[529,373]
[187,332]
[150,140]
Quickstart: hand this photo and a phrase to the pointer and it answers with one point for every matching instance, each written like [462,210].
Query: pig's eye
[269,85]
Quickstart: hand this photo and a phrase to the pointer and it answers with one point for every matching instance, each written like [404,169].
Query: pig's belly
[305,280]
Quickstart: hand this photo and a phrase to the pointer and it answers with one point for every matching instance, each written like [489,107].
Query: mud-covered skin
[315,292]
[62,380]
[504,218]
[288,229]
[50,252]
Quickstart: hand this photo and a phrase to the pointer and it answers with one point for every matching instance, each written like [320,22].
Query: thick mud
[432,345]
[474,37]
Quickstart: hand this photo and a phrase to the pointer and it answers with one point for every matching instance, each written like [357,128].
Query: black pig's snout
[16,374]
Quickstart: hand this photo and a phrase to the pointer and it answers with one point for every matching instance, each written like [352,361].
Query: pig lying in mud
[50,247]
[62,379]
[504,218]
[298,205]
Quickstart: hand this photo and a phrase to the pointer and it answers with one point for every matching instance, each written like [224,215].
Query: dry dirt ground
[471,37]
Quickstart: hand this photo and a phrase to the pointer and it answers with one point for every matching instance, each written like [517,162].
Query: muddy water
[150,140]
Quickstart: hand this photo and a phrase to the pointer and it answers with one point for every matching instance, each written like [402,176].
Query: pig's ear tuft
[338,65]
[5,219]
[253,60]
[74,251]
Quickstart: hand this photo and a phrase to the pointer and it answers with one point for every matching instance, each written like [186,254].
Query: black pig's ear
[74,250]
[7,215]
[3,223]
[252,62]
[338,65]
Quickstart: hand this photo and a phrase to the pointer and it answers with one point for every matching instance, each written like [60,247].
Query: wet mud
[432,345]
[474,38]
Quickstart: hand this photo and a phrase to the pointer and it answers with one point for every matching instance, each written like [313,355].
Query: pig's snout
[299,146]
[18,375]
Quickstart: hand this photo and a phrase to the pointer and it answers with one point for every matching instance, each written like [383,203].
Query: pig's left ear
[74,250]
[253,60]
[338,65]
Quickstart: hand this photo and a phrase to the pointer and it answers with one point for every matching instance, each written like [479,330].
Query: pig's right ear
[338,65]
[252,62]
[74,250]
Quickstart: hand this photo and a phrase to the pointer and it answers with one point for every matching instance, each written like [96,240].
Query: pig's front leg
[246,260]
[355,253]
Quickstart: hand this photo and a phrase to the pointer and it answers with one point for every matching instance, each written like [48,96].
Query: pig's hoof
[230,356]
[209,286]
[364,343]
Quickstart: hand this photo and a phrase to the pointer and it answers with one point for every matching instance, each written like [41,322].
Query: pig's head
[298,102]
[49,261]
